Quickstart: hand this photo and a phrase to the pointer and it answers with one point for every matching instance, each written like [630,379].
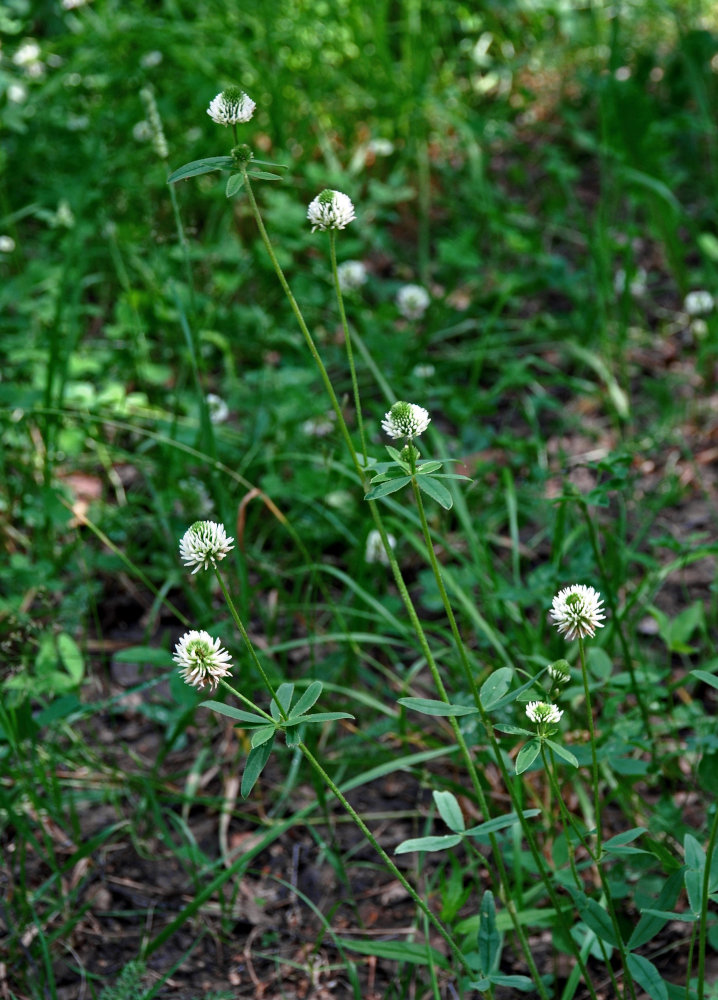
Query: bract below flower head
[543,712]
[406,420]
[578,611]
[201,659]
[205,543]
[412,301]
[330,210]
[231,107]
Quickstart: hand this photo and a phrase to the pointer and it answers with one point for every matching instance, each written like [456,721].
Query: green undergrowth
[546,172]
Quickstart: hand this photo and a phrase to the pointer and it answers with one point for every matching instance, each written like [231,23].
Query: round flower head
[375,552]
[205,543]
[543,712]
[406,420]
[218,409]
[698,303]
[330,210]
[412,301]
[202,659]
[231,107]
[558,674]
[577,611]
[352,275]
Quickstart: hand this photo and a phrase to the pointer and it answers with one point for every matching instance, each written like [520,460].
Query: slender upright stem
[703,923]
[348,342]
[329,388]
[594,756]
[456,952]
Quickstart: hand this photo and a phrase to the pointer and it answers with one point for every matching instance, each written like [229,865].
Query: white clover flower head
[558,674]
[201,659]
[577,611]
[698,302]
[205,543]
[218,409]
[412,301]
[330,210]
[7,244]
[352,275]
[231,107]
[406,420]
[375,551]
[424,371]
[543,712]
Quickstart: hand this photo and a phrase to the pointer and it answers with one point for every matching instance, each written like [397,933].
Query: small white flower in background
[319,427]
[218,409]
[698,303]
[231,107]
[412,301]
[151,59]
[7,244]
[380,147]
[27,54]
[142,131]
[73,4]
[155,123]
[557,675]
[202,659]
[352,275]
[577,611]
[543,712]
[406,420]
[205,543]
[17,93]
[330,210]
[423,371]
[375,551]
[637,286]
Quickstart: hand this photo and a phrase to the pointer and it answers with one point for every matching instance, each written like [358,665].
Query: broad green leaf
[256,759]
[234,184]
[397,951]
[647,975]
[268,163]
[384,489]
[495,687]
[71,656]
[299,720]
[309,698]
[562,752]
[238,714]
[294,736]
[480,984]
[594,916]
[263,175]
[516,693]
[450,811]
[650,924]
[436,491]
[707,678]
[395,454]
[440,843]
[499,823]
[527,755]
[505,727]
[430,706]
[260,736]
[143,654]
[427,467]
[627,837]
[204,166]
[284,695]
[489,939]
[522,983]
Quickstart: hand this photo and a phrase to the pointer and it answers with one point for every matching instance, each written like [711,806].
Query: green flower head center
[325,197]
[199,652]
[575,602]
[242,154]
[232,95]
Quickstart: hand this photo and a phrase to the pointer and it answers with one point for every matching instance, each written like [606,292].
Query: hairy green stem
[594,757]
